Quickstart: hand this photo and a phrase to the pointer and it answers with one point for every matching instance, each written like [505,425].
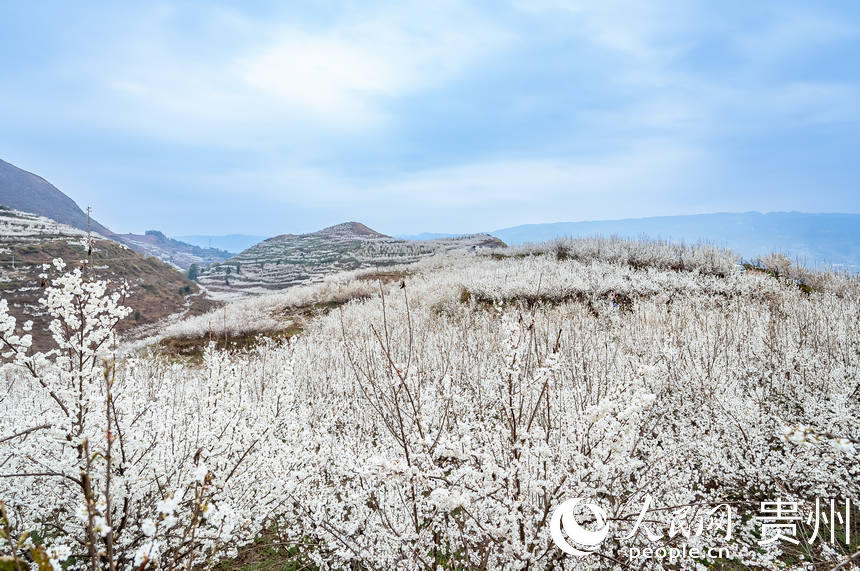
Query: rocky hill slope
[289,259]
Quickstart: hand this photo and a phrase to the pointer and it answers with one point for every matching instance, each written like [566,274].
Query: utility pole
[89,236]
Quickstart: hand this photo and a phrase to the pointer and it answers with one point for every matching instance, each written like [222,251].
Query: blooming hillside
[438,422]
[290,260]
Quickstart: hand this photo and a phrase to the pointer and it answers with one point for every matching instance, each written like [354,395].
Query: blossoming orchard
[697,408]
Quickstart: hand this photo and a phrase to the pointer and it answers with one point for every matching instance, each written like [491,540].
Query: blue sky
[267,118]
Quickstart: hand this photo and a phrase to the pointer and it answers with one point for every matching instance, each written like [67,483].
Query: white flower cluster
[807,436]
[433,429]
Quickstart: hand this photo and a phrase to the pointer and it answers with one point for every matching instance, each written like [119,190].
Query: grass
[191,348]
[621,301]
[270,552]
[385,277]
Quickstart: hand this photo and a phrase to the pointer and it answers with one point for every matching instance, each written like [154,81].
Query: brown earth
[156,289]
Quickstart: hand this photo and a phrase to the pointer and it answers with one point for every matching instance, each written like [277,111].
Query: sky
[282,117]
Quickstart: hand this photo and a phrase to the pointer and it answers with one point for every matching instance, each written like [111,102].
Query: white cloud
[343,75]
[324,76]
[338,76]
[651,95]
[675,97]
[474,195]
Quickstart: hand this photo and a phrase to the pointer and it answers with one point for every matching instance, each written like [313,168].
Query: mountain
[813,239]
[290,259]
[171,251]
[28,192]
[28,241]
[233,243]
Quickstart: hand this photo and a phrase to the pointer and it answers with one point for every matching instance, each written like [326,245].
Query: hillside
[28,192]
[813,239]
[171,251]
[289,260]
[474,396]
[28,241]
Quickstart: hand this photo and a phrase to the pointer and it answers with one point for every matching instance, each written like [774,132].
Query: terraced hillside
[290,259]
[28,241]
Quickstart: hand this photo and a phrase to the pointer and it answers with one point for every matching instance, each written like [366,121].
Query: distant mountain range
[290,259]
[180,254]
[814,239]
[233,243]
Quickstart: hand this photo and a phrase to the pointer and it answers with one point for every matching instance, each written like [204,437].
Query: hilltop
[297,259]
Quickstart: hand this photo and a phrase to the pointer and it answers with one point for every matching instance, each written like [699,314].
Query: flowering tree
[85,497]
[440,422]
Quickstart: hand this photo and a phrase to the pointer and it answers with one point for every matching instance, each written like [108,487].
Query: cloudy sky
[266,118]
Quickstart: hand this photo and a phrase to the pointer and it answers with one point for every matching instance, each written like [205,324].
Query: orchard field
[437,420]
